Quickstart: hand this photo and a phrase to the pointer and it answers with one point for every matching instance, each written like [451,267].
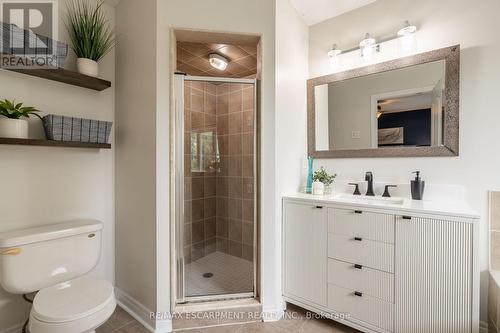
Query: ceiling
[315,11]
[192,59]
[407,103]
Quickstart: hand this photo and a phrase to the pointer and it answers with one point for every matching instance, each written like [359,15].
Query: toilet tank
[35,258]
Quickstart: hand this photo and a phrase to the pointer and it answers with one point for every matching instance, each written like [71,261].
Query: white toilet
[53,260]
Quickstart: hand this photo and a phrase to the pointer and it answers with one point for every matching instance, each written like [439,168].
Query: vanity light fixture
[334,52]
[368,46]
[333,55]
[406,36]
[369,41]
[407,30]
[217,61]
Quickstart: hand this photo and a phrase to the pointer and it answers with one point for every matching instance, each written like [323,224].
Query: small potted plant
[91,34]
[323,177]
[12,124]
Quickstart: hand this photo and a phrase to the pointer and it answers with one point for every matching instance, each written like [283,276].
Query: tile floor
[297,321]
[230,275]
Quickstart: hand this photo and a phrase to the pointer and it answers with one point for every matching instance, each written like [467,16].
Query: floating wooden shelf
[66,76]
[52,143]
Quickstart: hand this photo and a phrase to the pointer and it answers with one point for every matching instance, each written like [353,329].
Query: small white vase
[87,66]
[318,188]
[13,128]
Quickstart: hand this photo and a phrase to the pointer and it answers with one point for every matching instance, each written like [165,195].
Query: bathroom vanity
[383,265]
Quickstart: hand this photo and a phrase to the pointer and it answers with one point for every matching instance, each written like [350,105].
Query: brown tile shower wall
[219,188]
[199,183]
[235,172]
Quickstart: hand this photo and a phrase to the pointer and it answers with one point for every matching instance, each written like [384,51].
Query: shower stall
[215,188]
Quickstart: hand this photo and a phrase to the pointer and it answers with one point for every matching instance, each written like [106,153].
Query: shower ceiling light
[407,30]
[217,61]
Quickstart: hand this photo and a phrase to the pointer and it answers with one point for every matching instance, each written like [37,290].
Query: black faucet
[369,179]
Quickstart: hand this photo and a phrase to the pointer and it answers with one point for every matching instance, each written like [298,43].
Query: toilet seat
[75,306]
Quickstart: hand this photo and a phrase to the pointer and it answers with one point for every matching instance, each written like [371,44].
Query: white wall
[43,185]
[441,24]
[291,116]
[136,154]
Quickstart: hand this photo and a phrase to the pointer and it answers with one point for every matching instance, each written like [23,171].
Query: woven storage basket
[62,128]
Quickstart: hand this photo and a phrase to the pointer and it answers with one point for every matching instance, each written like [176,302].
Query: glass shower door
[216,232]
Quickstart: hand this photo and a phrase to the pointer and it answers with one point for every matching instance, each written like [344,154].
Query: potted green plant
[323,177]
[91,34]
[12,124]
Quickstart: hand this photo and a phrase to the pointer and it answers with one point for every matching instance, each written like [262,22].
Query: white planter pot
[318,188]
[13,128]
[87,66]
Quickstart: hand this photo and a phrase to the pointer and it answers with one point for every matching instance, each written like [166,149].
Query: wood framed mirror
[408,107]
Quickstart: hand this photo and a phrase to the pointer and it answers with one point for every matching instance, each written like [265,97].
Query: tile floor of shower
[229,275]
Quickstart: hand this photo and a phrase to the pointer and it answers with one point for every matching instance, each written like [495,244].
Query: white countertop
[401,205]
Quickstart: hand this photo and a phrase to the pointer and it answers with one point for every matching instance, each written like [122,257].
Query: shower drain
[208,275]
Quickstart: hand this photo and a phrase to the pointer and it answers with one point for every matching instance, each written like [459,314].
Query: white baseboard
[164,326]
[14,329]
[272,314]
[141,313]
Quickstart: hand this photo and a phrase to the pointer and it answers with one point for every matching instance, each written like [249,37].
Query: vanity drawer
[374,226]
[365,252]
[361,307]
[369,281]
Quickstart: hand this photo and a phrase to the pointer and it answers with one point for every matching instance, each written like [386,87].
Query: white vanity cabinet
[381,268]
[433,286]
[305,244]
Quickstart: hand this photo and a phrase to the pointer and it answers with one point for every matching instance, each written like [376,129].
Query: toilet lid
[72,300]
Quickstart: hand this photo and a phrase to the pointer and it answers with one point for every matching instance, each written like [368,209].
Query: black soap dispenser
[417,187]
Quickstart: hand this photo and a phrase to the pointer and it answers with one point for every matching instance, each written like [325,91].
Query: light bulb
[368,46]
[217,61]
[407,29]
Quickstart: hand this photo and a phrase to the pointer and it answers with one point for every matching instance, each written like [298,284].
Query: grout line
[241,324]
[302,325]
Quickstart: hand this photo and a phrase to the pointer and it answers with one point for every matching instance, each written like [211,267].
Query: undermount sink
[368,199]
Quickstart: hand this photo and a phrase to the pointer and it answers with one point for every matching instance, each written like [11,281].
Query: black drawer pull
[319,207]
[357,293]
[359,239]
[358,212]
[358,266]
[406,217]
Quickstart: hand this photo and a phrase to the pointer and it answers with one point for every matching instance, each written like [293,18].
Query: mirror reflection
[397,108]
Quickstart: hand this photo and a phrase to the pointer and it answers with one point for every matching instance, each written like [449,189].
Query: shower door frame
[179,131]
